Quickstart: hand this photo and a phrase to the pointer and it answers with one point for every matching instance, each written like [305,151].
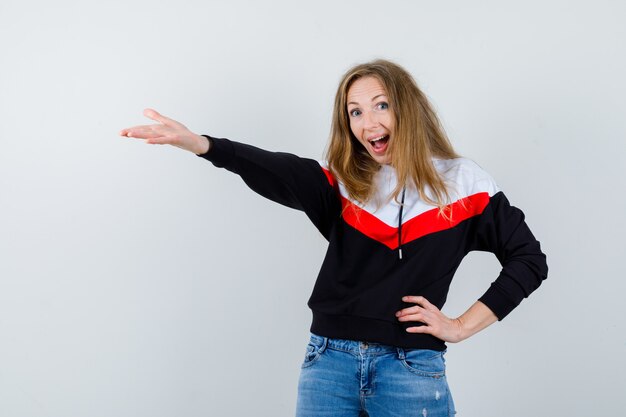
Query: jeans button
[364,345]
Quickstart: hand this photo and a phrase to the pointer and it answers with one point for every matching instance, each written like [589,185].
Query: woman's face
[371,120]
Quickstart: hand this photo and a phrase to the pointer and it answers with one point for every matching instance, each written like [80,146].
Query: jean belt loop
[400,353]
[324,345]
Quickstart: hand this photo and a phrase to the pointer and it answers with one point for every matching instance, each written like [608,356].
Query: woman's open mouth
[379,145]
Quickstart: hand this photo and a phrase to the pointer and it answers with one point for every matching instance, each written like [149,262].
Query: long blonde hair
[418,137]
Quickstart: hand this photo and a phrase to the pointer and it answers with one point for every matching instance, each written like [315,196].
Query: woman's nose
[370,119]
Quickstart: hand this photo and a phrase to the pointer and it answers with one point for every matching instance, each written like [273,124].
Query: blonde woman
[400,209]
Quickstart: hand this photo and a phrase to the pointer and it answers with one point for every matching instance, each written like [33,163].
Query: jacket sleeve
[287,179]
[502,230]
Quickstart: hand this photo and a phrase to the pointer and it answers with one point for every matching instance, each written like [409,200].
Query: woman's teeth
[377,139]
[380,142]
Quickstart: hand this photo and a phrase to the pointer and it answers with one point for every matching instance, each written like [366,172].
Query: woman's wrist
[475,319]
[204,144]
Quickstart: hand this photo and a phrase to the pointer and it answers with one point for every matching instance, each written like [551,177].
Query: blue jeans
[345,378]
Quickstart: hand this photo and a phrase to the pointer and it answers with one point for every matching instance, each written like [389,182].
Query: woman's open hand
[435,322]
[475,319]
[168,132]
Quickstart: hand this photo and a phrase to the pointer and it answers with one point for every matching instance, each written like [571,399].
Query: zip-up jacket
[383,250]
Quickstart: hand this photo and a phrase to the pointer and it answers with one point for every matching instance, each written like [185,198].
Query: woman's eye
[355,112]
[383,106]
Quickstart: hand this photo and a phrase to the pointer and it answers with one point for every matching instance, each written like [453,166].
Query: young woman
[400,209]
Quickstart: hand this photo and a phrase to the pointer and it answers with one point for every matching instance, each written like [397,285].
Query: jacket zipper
[400,224]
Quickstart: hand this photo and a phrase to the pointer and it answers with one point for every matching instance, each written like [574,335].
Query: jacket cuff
[220,153]
[497,302]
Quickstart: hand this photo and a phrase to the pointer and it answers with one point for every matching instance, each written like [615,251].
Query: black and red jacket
[375,258]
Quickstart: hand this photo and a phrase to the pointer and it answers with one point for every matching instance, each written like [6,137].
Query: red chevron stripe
[329,176]
[421,225]
[424,224]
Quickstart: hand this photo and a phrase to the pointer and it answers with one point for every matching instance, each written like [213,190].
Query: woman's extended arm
[475,319]
[287,179]
[168,132]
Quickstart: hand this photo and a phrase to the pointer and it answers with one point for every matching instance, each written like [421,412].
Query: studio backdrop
[141,281]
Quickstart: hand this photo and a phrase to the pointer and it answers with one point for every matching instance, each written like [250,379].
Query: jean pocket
[424,362]
[315,347]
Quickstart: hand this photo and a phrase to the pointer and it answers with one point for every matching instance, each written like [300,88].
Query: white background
[139,280]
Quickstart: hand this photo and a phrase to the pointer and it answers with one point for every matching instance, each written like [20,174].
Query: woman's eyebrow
[373,98]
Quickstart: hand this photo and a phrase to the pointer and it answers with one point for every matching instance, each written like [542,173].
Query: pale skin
[370,116]
[170,132]
[167,132]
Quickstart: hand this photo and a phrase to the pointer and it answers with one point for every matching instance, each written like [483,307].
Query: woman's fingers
[420,318]
[417,314]
[165,125]
[420,329]
[143,132]
[167,132]
[409,310]
[418,299]
[422,306]
[165,140]
[433,321]
[158,117]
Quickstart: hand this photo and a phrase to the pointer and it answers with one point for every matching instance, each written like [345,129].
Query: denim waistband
[353,346]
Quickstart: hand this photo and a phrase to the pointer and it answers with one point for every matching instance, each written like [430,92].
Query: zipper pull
[400,253]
